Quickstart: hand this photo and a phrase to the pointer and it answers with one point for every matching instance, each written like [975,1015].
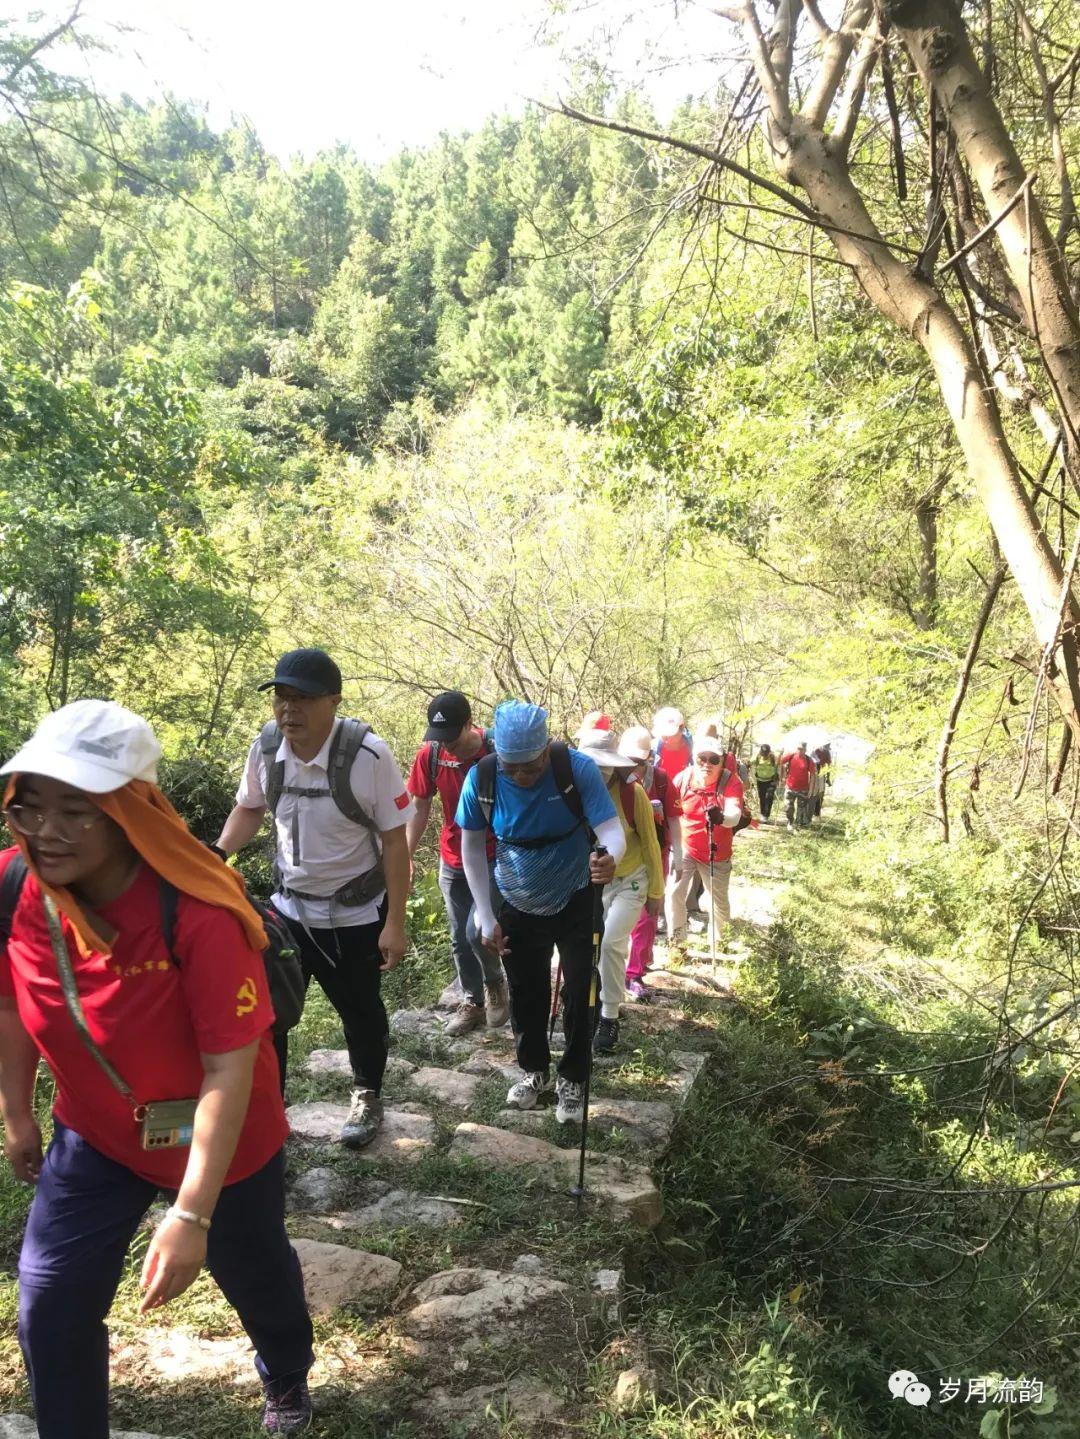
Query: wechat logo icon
[905,1385]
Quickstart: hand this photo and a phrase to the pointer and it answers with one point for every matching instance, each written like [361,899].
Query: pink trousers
[643,936]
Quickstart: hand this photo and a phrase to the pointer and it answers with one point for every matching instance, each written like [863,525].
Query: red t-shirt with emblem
[449,780]
[798,775]
[151,1017]
[673,756]
[695,800]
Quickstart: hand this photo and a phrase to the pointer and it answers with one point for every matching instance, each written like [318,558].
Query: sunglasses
[708,759]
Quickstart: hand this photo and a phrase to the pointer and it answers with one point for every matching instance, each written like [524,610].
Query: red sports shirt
[150,1017]
[673,756]
[798,776]
[696,800]
[449,779]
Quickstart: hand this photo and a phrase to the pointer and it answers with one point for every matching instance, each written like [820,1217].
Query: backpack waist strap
[358,891]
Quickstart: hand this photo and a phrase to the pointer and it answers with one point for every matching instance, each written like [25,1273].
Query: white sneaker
[569,1101]
[525,1093]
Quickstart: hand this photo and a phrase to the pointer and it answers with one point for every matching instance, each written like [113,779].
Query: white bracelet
[187,1216]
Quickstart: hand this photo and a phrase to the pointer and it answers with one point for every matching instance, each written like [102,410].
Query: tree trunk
[926,513]
[912,303]
[937,40]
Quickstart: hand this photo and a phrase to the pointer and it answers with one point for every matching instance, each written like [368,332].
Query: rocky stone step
[335,1063]
[339,1201]
[448,1086]
[405,1134]
[334,1274]
[626,1188]
[646,1124]
[477,1300]
[527,1400]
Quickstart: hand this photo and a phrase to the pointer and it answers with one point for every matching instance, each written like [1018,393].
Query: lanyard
[71,997]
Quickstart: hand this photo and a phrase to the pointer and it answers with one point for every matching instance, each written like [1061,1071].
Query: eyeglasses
[708,759]
[525,768]
[66,828]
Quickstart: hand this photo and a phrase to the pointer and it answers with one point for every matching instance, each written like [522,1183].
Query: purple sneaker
[638,991]
[288,1412]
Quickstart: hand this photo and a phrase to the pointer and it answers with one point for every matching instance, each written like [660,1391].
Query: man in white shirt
[341,868]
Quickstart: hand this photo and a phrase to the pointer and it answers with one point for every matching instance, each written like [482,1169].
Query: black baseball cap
[312,672]
[447,714]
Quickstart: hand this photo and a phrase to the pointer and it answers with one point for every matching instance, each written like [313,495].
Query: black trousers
[766,789]
[532,939]
[346,964]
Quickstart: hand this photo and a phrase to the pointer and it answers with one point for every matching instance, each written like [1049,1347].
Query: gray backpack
[347,743]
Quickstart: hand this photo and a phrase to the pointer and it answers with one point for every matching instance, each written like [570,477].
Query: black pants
[532,939]
[766,789]
[346,964]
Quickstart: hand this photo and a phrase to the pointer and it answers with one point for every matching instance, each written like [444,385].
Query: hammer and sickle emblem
[246,998]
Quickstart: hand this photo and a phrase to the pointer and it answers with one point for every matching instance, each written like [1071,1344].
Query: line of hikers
[132,960]
[804,776]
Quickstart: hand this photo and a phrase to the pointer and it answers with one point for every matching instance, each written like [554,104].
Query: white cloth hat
[636,743]
[95,745]
[668,722]
[707,742]
[601,748]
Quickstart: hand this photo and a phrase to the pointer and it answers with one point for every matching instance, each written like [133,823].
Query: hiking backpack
[281,960]
[563,772]
[435,752]
[348,741]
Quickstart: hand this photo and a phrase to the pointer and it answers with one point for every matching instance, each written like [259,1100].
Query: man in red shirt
[672,748]
[710,797]
[452,745]
[797,772]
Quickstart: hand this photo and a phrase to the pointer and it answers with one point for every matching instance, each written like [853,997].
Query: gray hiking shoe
[497,1003]
[288,1412]
[569,1101]
[365,1116]
[525,1093]
[469,1016]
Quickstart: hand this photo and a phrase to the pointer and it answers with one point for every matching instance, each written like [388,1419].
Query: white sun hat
[95,745]
[667,722]
[636,743]
[602,749]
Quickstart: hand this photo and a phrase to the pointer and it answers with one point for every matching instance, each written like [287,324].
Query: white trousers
[624,900]
[717,891]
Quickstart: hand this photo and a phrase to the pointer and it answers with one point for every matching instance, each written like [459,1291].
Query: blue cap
[521,731]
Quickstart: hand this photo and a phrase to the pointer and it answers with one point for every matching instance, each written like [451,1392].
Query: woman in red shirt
[710,795]
[127,1026]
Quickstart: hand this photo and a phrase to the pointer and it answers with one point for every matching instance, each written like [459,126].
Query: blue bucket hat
[521,731]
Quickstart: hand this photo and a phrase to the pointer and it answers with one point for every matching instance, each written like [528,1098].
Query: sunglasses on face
[708,759]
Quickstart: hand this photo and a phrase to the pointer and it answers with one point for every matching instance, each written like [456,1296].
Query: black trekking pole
[578,1190]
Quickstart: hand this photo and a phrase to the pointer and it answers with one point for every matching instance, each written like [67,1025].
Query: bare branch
[851,101]
[42,44]
[990,225]
[837,46]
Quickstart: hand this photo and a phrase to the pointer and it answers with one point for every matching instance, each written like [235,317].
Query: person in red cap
[452,746]
[594,720]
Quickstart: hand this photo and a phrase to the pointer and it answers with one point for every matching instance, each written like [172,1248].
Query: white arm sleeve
[675,831]
[610,834]
[732,813]
[474,862]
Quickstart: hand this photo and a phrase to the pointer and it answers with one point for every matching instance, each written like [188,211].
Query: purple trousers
[85,1213]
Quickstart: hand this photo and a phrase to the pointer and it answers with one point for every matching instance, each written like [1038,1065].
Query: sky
[308,74]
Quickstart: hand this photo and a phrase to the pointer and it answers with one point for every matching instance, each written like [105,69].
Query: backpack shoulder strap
[11,888]
[270,738]
[563,770]
[168,900]
[434,751]
[486,770]
[626,788]
[347,743]
[489,741]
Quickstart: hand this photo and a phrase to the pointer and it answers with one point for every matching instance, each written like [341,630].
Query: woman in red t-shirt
[126,1025]
[710,795]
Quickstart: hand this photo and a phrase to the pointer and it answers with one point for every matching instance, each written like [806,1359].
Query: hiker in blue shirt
[543,801]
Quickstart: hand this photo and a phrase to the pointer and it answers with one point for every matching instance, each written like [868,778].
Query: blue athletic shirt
[539,881]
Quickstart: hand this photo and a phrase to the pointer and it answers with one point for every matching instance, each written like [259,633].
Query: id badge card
[168,1123]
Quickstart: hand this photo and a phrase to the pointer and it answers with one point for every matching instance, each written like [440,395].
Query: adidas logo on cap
[438,718]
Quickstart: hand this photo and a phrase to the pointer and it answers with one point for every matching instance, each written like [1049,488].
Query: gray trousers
[475,965]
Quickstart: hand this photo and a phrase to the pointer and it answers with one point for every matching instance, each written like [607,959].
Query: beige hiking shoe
[497,1003]
[469,1016]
